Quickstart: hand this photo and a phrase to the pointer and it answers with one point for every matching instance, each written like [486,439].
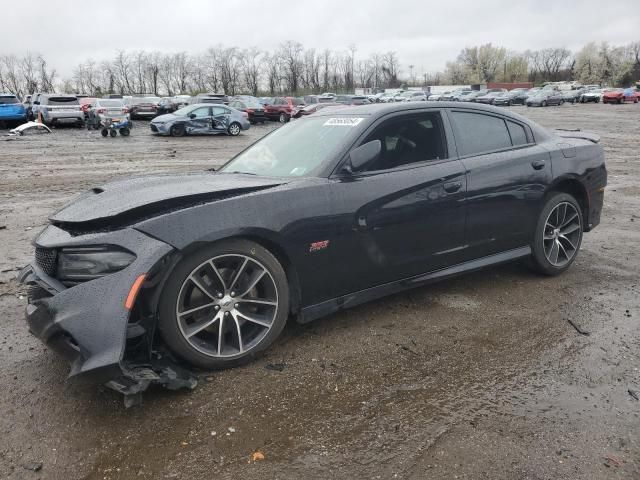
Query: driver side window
[201,112]
[407,140]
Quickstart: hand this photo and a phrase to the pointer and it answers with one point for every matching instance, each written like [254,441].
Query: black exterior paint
[387,231]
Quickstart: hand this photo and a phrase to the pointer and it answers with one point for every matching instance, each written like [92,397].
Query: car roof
[382,109]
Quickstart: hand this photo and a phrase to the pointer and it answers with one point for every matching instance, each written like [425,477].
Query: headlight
[88,263]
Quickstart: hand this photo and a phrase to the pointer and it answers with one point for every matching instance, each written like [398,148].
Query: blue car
[11,110]
[201,119]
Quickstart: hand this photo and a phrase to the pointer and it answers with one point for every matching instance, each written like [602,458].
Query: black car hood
[127,201]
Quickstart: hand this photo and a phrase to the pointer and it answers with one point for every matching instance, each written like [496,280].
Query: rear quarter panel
[581,160]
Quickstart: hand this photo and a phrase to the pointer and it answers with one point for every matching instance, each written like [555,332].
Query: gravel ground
[480,377]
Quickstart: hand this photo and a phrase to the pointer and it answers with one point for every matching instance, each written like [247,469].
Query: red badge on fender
[315,246]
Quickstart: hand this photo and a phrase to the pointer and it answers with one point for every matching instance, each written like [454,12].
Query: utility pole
[411,77]
[352,49]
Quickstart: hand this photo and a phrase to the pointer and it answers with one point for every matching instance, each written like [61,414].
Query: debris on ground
[257,456]
[634,394]
[578,328]
[612,461]
[278,367]
[33,466]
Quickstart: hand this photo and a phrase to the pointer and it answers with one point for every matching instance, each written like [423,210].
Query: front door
[405,214]
[199,120]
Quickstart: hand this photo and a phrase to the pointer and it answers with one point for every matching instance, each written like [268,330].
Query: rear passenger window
[518,135]
[478,133]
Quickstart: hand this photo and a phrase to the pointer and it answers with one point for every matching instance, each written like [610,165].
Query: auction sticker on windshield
[343,122]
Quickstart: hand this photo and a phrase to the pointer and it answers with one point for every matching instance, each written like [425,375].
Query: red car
[282,108]
[85,104]
[620,95]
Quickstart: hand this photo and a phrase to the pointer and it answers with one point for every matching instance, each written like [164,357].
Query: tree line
[294,69]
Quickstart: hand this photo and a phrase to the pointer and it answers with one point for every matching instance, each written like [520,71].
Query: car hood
[125,202]
[167,117]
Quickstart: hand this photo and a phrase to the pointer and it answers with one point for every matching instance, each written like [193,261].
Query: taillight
[101,110]
[249,110]
[125,110]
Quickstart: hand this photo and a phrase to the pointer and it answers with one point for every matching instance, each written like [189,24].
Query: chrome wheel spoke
[571,219]
[239,332]
[257,301]
[238,273]
[253,282]
[570,229]
[564,252]
[253,319]
[217,272]
[201,287]
[196,309]
[193,330]
[562,237]
[220,334]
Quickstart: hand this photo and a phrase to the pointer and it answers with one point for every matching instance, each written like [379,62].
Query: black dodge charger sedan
[324,213]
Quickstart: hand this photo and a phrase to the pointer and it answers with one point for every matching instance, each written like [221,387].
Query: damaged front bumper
[89,324]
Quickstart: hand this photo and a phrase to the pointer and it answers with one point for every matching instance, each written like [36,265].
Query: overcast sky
[425,34]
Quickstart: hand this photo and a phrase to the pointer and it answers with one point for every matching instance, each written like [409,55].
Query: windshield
[296,149]
[8,100]
[184,111]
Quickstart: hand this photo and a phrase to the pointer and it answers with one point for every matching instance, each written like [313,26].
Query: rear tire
[234,129]
[558,235]
[283,118]
[544,103]
[104,132]
[125,132]
[113,133]
[194,336]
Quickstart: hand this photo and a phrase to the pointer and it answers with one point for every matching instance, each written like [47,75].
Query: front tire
[558,235]
[283,118]
[225,304]
[177,131]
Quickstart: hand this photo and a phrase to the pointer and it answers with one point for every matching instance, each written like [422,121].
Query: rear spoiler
[576,133]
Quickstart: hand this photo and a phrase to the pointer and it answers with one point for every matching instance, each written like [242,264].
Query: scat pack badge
[317,246]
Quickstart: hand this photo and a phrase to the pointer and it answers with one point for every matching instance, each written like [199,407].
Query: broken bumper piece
[86,324]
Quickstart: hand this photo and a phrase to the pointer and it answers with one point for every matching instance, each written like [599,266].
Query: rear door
[507,174]
[220,118]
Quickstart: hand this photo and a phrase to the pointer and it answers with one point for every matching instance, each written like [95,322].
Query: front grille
[46,260]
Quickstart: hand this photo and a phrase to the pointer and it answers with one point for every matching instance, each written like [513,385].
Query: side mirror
[361,156]
[192,116]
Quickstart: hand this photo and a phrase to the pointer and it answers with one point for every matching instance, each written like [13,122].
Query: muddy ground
[480,377]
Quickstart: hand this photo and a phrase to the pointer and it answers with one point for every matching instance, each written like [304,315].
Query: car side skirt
[328,307]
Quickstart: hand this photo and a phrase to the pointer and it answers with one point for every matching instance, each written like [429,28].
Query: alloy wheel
[561,236]
[227,305]
[234,129]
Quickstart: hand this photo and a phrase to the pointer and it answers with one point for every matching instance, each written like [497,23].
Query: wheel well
[577,190]
[295,295]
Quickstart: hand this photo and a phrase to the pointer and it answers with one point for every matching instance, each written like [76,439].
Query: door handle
[452,187]
[538,164]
